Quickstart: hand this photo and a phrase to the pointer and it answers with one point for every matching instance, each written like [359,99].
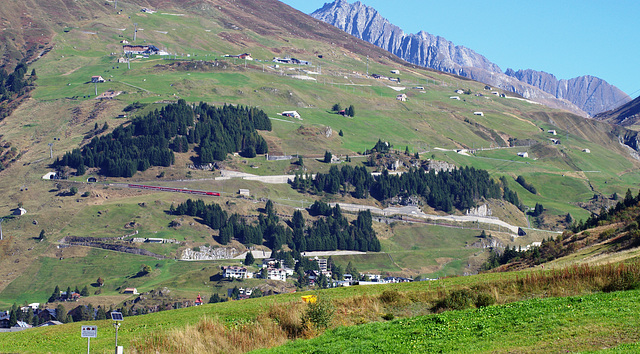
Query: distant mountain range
[584,95]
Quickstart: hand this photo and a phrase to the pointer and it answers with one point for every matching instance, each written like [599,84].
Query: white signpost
[89,332]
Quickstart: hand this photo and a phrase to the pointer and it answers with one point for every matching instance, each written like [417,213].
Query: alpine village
[229,176]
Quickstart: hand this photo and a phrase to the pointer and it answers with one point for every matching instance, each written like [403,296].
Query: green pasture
[584,323]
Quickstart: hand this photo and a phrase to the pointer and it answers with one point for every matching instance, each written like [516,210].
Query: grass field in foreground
[571,324]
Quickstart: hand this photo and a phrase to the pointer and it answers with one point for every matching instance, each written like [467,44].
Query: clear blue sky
[567,38]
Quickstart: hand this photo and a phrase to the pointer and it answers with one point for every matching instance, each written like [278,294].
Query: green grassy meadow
[572,324]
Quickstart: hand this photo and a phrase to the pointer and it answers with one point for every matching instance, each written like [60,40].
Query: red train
[175,190]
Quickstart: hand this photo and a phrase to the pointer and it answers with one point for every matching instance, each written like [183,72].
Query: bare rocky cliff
[591,94]
[584,95]
[422,48]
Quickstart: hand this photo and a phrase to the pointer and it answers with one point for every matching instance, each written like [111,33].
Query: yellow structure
[310,299]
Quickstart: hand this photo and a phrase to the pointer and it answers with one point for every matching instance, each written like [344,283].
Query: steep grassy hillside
[85,40]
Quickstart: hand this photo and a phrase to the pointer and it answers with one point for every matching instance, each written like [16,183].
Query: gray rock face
[585,95]
[591,94]
[422,48]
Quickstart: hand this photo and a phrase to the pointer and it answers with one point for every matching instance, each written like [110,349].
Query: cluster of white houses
[276,271]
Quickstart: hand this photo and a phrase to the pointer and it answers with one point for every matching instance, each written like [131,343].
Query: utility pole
[1,229]
[135,31]
[115,6]
[50,156]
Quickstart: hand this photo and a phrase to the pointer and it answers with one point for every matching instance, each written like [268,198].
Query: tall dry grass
[282,322]
[212,336]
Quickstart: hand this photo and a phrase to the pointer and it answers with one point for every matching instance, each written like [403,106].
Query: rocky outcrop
[481,210]
[422,48]
[591,94]
[585,95]
[208,253]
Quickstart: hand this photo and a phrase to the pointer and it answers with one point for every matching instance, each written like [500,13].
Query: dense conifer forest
[446,190]
[331,231]
[153,139]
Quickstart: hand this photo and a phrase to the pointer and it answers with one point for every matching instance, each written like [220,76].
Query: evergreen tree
[568,218]
[84,291]
[352,270]
[248,260]
[352,111]
[101,315]
[61,314]
[13,317]
[327,157]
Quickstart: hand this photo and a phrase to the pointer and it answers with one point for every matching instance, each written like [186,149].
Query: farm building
[20,211]
[455,98]
[140,49]
[291,61]
[396,72]
[586,150]
[133,291]
[459,91]
[552,132]
[402,97]
[244,192]
[481,114]
[240,56]
[292,114]
[97,78]
[523,154]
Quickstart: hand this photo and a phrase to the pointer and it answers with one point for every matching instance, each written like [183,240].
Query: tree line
[14,85]
[553,248]
[151,140]
[446,190]
[331,231]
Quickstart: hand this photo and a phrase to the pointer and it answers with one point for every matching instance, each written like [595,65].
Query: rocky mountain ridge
[584,95]
[625,115]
